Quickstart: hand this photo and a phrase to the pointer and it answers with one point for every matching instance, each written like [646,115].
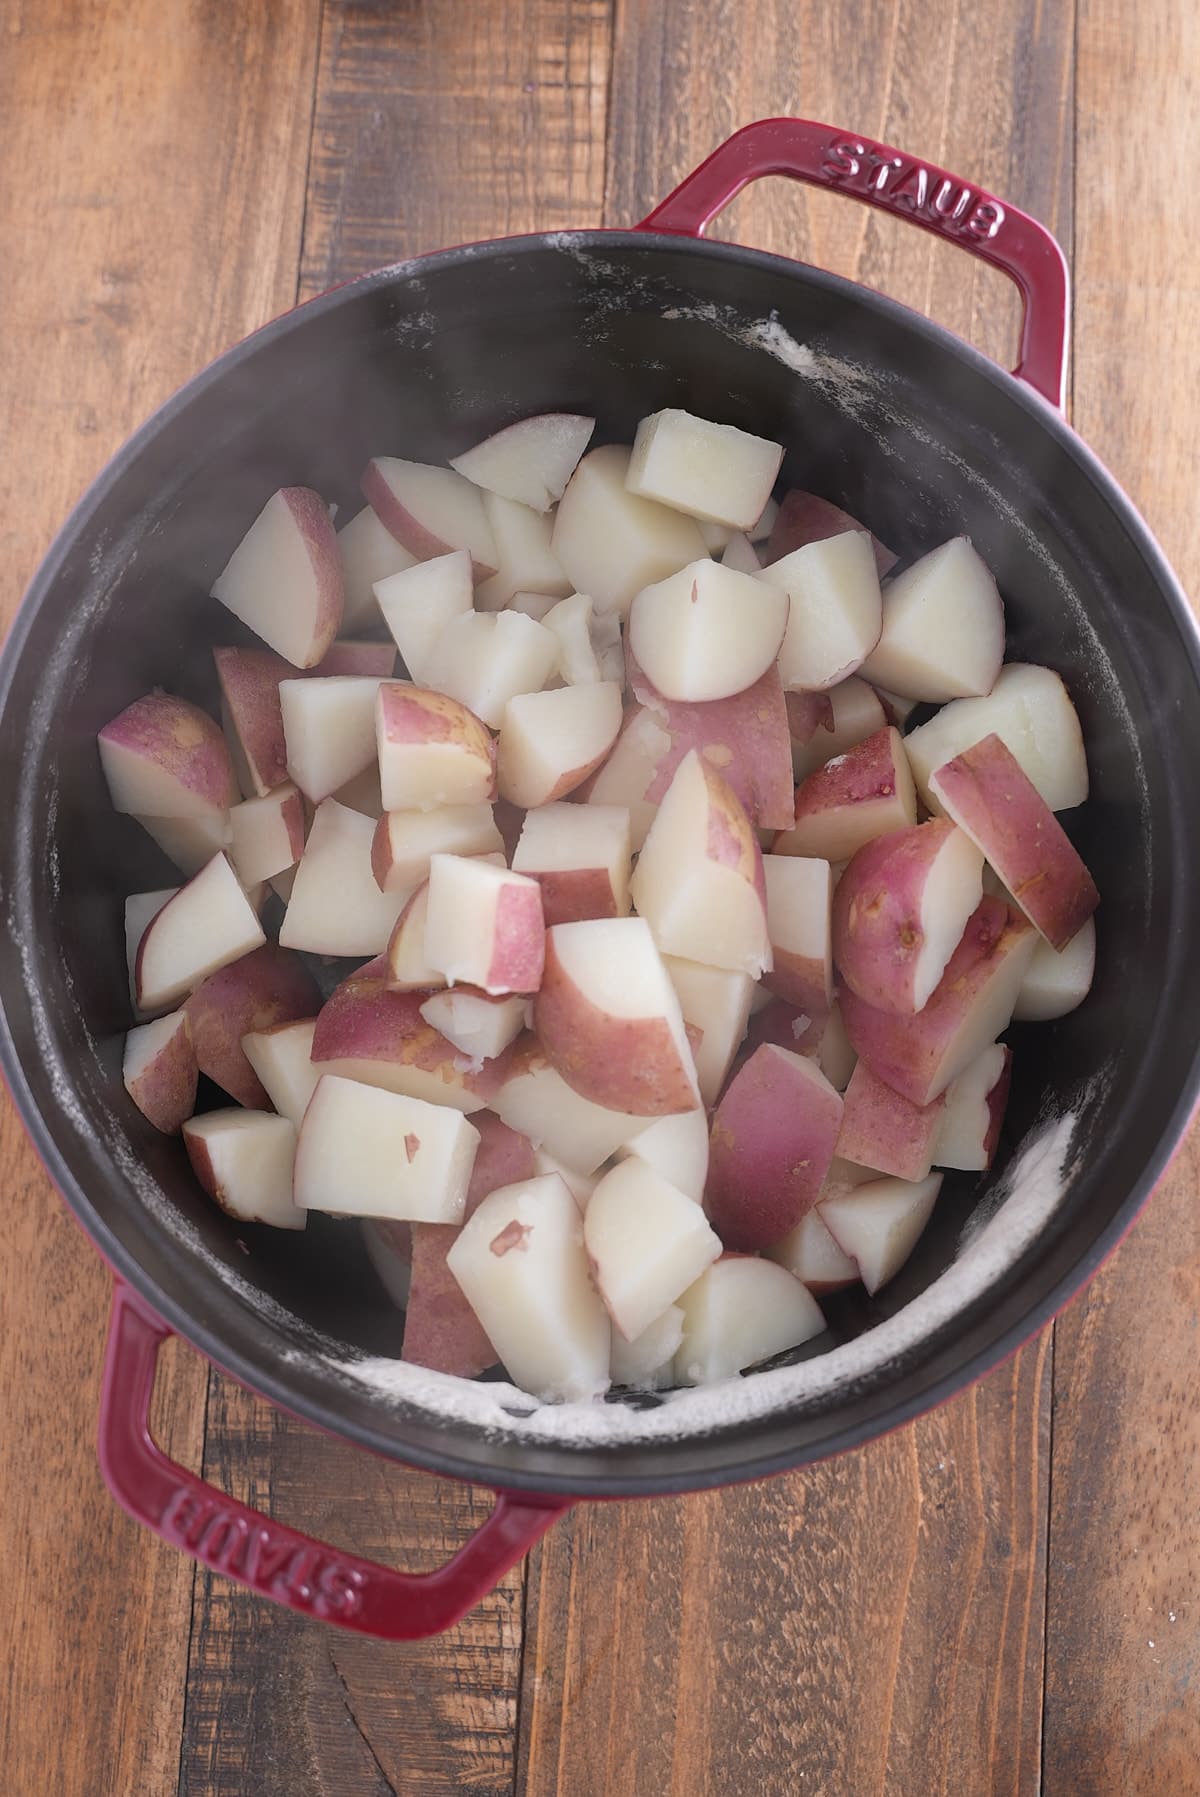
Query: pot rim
[740,1463]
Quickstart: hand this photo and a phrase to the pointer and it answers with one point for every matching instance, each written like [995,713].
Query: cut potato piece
[207,924]
[629,770]
[484,925]
[943,628]
[835,610]
[711,471]
[329,730]
[160,1073]
[364,1152]
[408,966]
[265,987]
[645,1364]
[336,908]
[430,510]
[900,911]
[646,1242]
[191,842]
[432,750]
[267,834]
[281,1057]
[571,621]
[580,1185]
[799,894]
[478,1025]
[864,793]
[773,1137]
[745,738]
[535,1100]
[367,1032]
[249,680]
[610,542]
[1030,711]
[707,632]
[919,1056]
[609,1021]
[163,757]
[580,857]
[1056,983]
[802,518]
[551,741]
[521,1262]
[484,659]
[420,601]
[715,1002]
[880,1223]
[676,1147]
[243,1159]
[988,795]
[140,909]
[739,1312]
[530,461]
[404,841]
[284,579]
[881,1129]
[370,553]
[740,555]
[699,879]
[973,1113]
[811,1255]
[526,560]
[836,1056]
[855,714]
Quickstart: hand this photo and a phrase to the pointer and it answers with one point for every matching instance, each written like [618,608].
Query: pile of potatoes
[679,972]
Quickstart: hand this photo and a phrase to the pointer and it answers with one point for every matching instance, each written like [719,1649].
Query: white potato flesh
[209,923]
[967,1124]
[647,1362]
[628,771]
[394,1270]
[530,461]
[835,1055]
[742,1310]
[431,510]
[363,793]
[716,1001]
[698,881]
[159,1071]
[406,840]
[551,741]
[708,470]
[799,895]
[1056,983]
[943,628]
[477,1025]
[140,908]
[527,563]
[707,632]
[521,1263]
[370,553]
[811,1255]
[647,1242]
[610,542]
[329,729]
[677,1148]
[190,842]
[366,1152]
[408,968]
[537,1102]
[282,1059]
[857,714]
[419,601]
[244,1160]
[581,857]
[1030,710]
[764,524]
[484,925]
[336,907]
[433,750]
[533,605]
[267,834]
[879,1223]
[836,611]
[571,622]
[484,659]
[580,1185]
[716,536]
[741,555]
[284,579]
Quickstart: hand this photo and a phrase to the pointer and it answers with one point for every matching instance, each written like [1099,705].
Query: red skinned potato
[745,738]
[803,518]
[919,1056]
[551,741]
[408,968]
[811,1255]
[284,579]
[707,632]
[484,925]
[264,988]
[165,758]
[244,1160]
[806,714]
[430,510]
[530,461]
[281,1057]
[879,1223]
[699,879]
[988,795]
[609,1021]
[249,680]
[862,794]
[741,1311]
[537,1101]
[973,1112]
[580,857]
[160,1072]
[710,471]
[880,1129]
[854,713]
[267,834]
[208,924]
[368,1033]
[943,628]
[715,1003]
[610,542]
[799,893]
[899,912]
[784,1026]
[335,906]
[432,750]
[405,841]
[773,1137]
[1030,709]
[628,771]
[441,1330]
[140,909]
[479,1025]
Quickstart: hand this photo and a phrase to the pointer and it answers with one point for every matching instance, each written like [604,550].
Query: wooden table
[1001,1598]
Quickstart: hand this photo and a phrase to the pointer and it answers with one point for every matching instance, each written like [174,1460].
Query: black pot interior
[898,422]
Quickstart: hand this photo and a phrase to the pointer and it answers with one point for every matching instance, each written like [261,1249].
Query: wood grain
[431,127]
[1123,1638]
[805,1634]
[137,140]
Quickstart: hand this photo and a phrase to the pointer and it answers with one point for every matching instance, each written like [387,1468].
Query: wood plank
[136,139]
[431,127]
[1123,1638]
[804,1634]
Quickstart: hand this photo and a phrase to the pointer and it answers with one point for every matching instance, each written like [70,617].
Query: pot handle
[272,1559]
[929,196]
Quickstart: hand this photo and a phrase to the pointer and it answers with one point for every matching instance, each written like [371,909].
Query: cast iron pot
[884,413]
